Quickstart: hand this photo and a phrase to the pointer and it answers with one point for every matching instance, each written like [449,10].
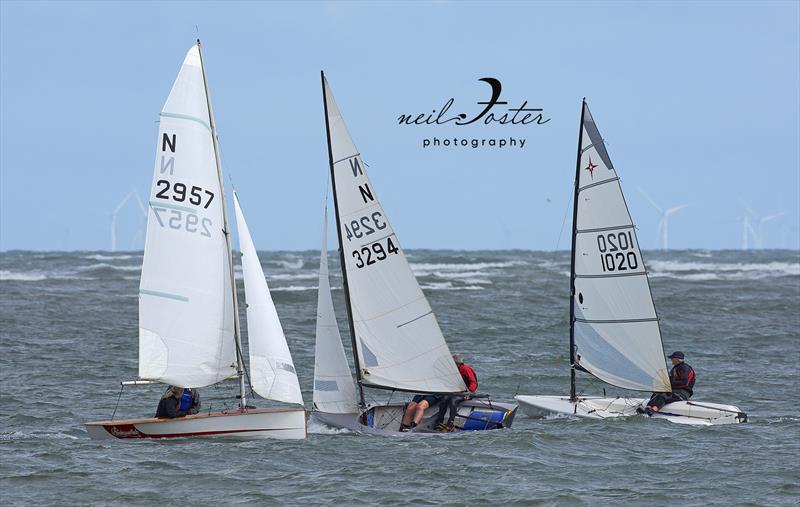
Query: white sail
[398,338]
[617,336]
[272,371]
[185,297]
[334,390]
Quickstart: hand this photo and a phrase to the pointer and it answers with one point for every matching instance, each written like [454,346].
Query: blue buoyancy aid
[186,400]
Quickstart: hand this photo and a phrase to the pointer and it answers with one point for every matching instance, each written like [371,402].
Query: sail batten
[615,326]
[185,304]
[395,347]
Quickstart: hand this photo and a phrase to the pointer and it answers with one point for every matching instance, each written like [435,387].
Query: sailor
[451,402]
[178,402]
[681,377]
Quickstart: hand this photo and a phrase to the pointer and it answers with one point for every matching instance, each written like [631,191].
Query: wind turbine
[663,224]
[761,223]
[132,193]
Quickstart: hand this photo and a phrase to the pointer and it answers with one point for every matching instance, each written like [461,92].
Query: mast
[572,396]
[226,230]
[361,402]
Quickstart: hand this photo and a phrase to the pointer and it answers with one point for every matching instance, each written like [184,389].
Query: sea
[68,336]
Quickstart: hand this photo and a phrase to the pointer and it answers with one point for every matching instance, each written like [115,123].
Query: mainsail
[334,390]
[616,332]
[398,340]
[185,299]
[272,372]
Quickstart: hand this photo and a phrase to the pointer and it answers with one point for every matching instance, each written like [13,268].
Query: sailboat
[614,330]
[396,340]
[189,333]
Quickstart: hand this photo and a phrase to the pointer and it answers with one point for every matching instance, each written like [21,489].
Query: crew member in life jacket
[178,402]
[681,377]
[452,401]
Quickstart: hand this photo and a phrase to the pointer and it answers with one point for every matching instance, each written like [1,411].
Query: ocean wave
[15,276]
[293,288]
[449,286]
[427,268]
[460,274]
[293,276]
[101,257]
[704,271]
[105,265]
[293,264]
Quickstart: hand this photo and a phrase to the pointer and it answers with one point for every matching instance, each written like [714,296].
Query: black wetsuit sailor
[681,378]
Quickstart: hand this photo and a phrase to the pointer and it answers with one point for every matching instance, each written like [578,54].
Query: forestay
[334,390]
[616,329]
[398,340]
[272,372]
[185,299]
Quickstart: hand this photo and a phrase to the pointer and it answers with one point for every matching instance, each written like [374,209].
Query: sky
[699,104]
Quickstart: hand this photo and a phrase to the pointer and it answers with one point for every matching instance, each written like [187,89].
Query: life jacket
[186,400]
[468,374]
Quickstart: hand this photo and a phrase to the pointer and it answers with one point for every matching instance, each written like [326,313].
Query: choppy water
[68,335]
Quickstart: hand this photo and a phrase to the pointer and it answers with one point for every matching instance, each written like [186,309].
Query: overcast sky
[698,103]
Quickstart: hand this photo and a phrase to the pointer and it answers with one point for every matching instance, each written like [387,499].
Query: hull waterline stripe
[157,204]
[167,295]
[193,434]
[187,117]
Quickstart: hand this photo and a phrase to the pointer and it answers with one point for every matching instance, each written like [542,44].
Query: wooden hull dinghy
[614,329]
[396,341]
[682,412]
[189,332]
[280,423]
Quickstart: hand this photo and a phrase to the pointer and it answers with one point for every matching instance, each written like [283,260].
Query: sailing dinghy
[614,330]
[189,333]
[396,341]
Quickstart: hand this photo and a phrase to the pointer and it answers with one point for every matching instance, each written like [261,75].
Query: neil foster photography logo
[494,111]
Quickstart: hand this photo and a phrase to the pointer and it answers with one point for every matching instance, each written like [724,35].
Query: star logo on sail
[591,167]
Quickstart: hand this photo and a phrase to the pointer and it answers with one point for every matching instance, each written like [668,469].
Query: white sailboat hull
[680,412]
[280,423]
[384,420]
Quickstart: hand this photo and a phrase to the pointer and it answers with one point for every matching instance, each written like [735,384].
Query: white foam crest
[101,257]
[427,268]
[448,286]
[722,271]
[293,276]
[15,276]
[460,274]
[293,288]
[295,264]
[319,428]
[105,265]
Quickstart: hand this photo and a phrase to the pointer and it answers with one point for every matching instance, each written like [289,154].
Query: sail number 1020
[616,251]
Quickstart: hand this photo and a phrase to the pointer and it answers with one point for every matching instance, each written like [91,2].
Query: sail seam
[345,158]
[601,229]
[187,117]
[376,240]
[611,275]
[615,321]
[155,204]
[590,185]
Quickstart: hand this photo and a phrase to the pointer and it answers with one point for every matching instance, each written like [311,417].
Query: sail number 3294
[370,254]
[616,251]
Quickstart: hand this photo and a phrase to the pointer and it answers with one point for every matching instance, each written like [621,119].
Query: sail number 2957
[370,254]
[616,251]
